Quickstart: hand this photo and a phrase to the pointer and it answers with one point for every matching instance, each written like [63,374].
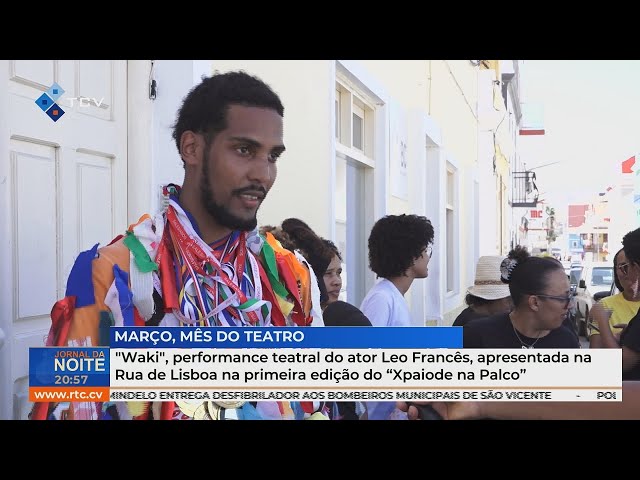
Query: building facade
[364,139]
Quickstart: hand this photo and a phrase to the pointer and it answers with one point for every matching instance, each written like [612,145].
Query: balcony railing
[524,190]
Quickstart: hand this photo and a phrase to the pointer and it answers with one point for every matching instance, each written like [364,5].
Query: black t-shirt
[466,316]
[497,331]
[630,338]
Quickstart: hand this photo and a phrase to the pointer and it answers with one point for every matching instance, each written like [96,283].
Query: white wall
[140,140]
[488,195]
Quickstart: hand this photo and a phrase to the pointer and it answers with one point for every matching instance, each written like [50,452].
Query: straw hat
[487,283]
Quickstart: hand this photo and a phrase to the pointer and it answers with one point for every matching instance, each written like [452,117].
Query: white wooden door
[66,186]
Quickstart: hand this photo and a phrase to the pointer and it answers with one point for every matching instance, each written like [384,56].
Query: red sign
[627,165]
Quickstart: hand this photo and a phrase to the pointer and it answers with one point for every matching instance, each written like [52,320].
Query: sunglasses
[567,300]
[623,267]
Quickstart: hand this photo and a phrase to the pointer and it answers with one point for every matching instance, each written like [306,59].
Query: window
[354,175]
[337,113]
[358,127]
[355,122]
[602,276]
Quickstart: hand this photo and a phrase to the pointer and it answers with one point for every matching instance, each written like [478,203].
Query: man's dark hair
[396,241]
[631,246]
[204,109]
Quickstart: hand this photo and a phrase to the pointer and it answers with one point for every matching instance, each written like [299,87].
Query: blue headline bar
[69,366]
[285,337]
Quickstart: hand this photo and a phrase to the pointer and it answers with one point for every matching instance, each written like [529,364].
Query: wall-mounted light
[153,85]
[475,63]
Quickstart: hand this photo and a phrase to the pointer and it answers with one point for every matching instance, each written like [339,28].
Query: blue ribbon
[80,281]
[125,296]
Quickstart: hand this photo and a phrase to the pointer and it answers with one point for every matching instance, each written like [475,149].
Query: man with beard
[200,262]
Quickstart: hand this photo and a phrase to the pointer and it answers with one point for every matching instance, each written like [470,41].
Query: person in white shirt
[400,248]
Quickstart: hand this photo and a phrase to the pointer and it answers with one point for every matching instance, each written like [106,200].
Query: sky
[591,115]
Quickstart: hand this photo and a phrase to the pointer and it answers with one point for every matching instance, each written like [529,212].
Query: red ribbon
[61,315]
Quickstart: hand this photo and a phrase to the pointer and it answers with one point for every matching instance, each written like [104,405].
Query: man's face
[239,166]
[420,267]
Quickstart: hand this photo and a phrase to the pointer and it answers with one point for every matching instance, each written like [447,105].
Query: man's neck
[209,229]
[402,283]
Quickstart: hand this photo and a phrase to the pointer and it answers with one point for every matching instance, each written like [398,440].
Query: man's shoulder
[382,287]
[116,253]
[377,293]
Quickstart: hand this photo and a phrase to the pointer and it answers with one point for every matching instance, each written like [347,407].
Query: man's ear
[191,148]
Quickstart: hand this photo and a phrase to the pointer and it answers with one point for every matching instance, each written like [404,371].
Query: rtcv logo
[49,102]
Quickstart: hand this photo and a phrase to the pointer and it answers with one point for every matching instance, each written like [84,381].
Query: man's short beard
[220,213]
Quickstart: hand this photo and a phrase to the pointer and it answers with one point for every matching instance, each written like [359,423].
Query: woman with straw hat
[488,295]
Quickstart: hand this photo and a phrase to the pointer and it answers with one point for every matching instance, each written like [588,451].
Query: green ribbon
[272,270]
[140,255]
[248,303]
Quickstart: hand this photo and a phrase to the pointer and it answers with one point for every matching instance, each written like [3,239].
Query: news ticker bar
[105,394]
[90,374]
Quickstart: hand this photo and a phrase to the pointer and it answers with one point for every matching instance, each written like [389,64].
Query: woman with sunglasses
[611,314]
[541,296]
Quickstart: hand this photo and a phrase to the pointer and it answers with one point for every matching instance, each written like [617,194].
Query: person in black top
[630,343]
[488,295]
[343,314]
[541,296]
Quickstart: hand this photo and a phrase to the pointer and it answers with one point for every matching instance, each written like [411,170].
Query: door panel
[34,219]
[67,191]
[95,199]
